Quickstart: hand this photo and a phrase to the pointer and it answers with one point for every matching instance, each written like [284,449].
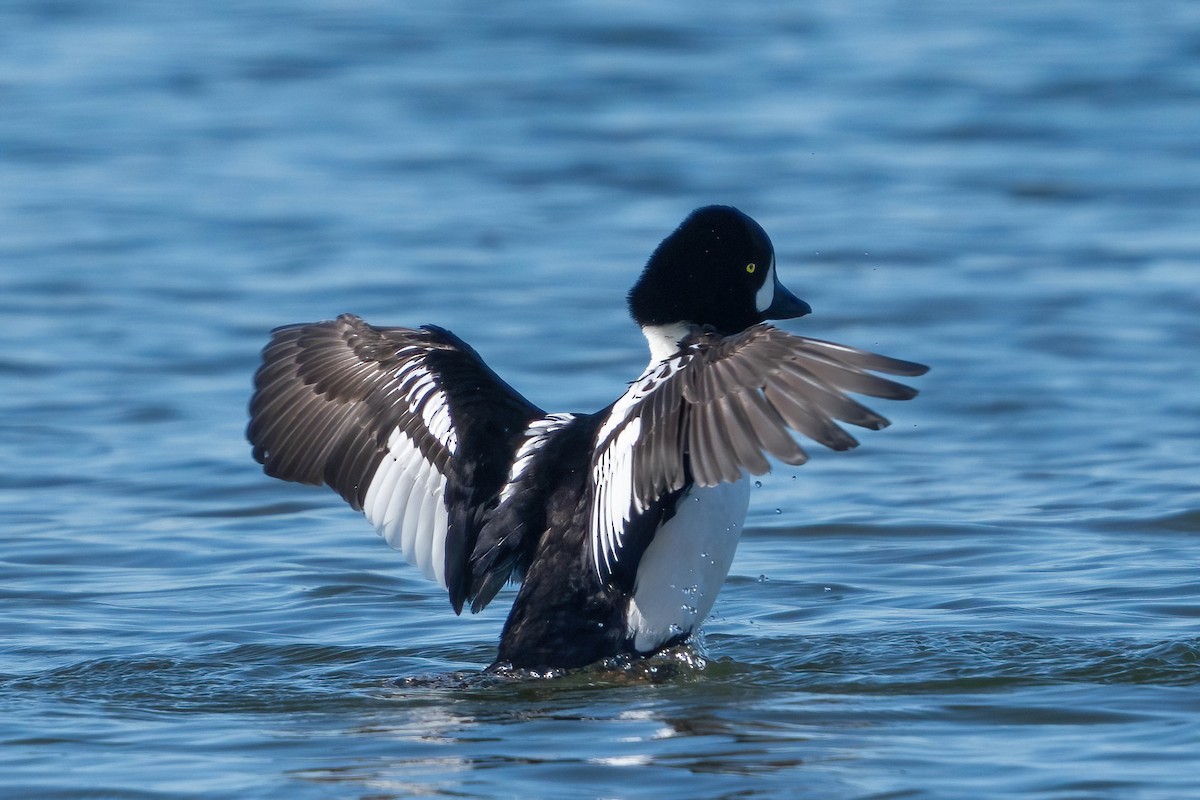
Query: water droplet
[779,511]
[688,609]
[758,484]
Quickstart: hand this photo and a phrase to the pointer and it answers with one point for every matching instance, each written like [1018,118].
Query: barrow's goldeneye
[620,525]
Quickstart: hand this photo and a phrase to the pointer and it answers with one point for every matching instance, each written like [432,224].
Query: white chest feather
[682,570]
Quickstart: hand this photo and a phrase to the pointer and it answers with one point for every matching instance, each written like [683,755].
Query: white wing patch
[424,395]
[614,500]
[405,500]
[536,435]
[651,379]
[406,505]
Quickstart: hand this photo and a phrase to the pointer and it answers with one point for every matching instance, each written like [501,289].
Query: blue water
[998,597]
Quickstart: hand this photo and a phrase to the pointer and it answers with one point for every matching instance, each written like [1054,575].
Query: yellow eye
[751,267]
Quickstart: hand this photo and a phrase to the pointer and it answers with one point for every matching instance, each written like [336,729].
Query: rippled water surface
[999,596]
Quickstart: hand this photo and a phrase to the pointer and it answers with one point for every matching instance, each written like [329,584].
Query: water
[999,596]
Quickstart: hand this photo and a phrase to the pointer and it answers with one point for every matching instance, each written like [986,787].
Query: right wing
[712,410]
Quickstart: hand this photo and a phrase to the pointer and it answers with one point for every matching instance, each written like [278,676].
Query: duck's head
[717,268]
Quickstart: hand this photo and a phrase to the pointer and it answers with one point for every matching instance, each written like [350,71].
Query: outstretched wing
[408,426]
[715,408]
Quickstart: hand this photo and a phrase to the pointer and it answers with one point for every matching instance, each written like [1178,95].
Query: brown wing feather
[324,402]
[713,411]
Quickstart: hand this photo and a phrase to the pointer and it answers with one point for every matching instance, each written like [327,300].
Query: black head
[717,268]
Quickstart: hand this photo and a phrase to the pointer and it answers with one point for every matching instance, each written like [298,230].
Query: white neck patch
[664,339]
[766,293]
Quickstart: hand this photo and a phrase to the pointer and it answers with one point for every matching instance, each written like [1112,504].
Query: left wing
[408,426]
[714,409]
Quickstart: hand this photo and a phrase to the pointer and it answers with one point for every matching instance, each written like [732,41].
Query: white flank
[682,570]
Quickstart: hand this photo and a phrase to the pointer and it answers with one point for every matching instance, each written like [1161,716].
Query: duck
[619,526]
